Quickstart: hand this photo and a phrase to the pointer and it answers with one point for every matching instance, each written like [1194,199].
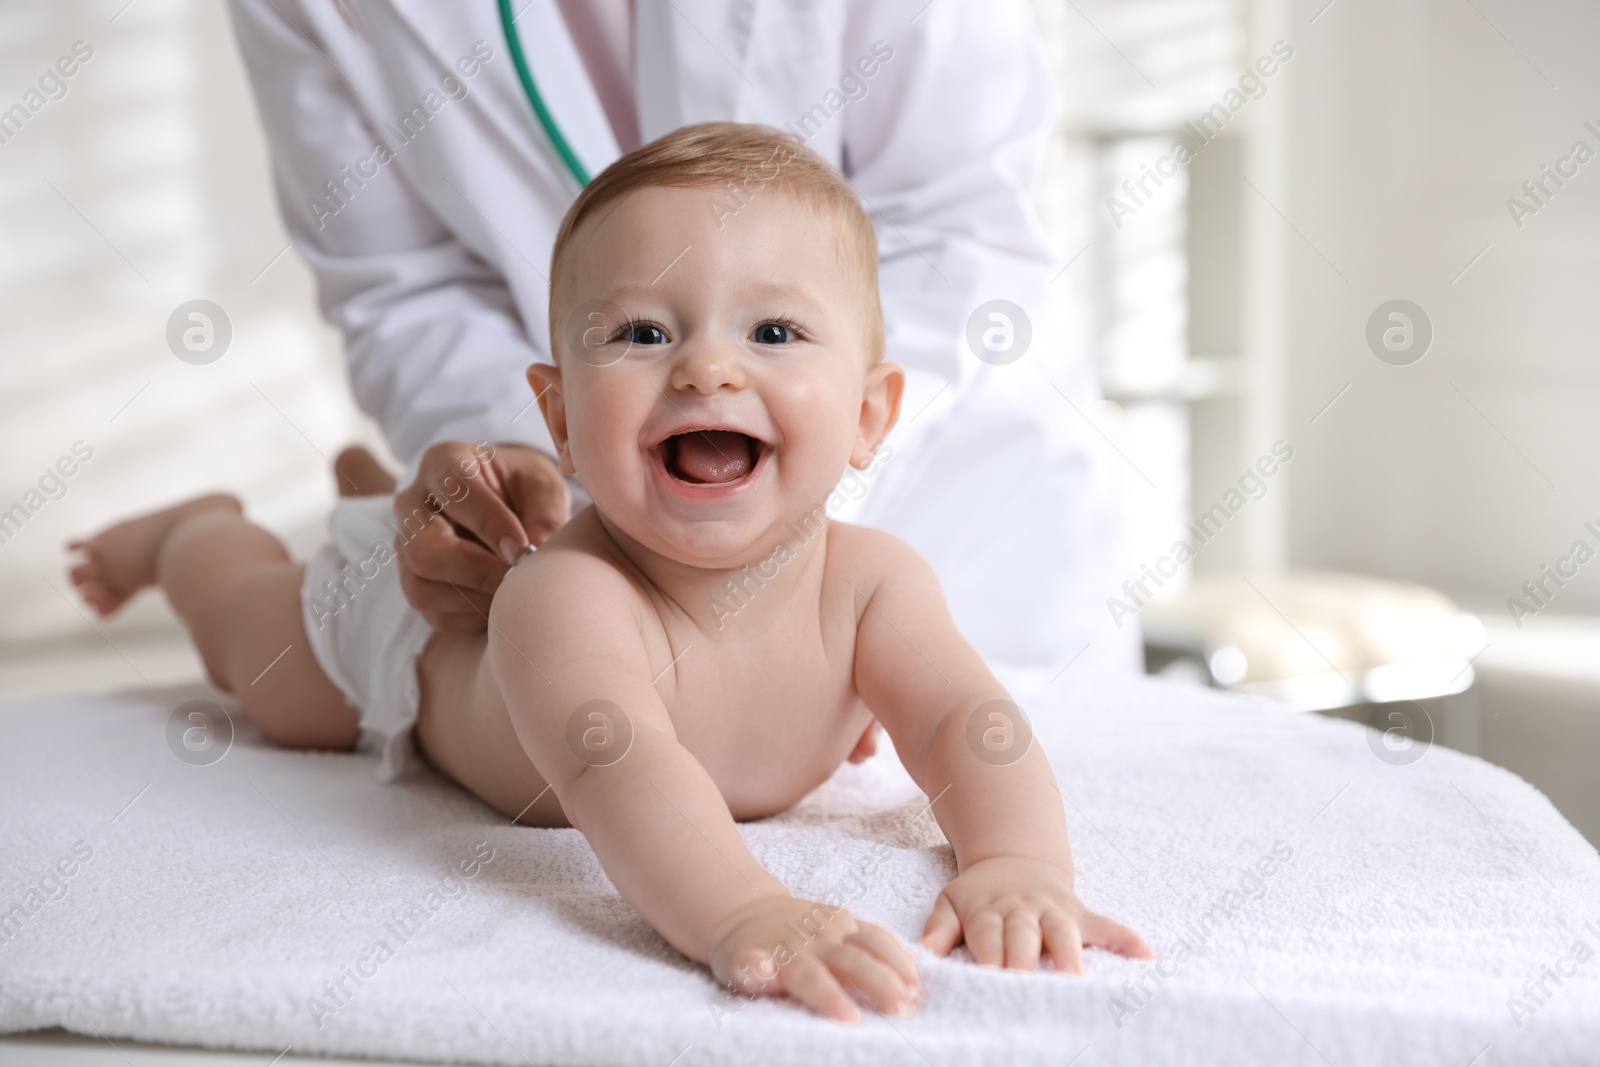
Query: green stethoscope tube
[520,61]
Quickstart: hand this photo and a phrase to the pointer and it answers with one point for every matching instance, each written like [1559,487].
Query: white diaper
[366,637]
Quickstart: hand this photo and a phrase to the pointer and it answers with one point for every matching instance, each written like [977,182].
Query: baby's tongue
[712,456]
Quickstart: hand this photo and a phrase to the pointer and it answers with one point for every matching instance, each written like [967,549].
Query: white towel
[1404,909]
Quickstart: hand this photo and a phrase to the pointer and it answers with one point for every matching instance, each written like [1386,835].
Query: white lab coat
[434,262]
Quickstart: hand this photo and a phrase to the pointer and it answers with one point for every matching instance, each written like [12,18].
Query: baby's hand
[806,949]
[1007,908]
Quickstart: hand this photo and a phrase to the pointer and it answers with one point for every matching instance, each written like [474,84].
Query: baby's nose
[707,366]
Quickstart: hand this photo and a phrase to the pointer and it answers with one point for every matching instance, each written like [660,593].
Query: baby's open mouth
[715,457]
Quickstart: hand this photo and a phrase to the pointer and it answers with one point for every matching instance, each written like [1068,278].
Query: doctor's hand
[1009,908]
[469,516]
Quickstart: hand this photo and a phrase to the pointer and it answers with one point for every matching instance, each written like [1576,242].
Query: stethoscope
[547,120]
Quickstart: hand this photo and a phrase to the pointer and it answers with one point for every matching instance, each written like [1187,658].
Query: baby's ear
[545,378]
[880,410]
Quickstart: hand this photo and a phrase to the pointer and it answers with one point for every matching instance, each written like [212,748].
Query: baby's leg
[238,593]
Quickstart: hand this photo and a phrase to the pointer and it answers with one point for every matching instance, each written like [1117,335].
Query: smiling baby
[718,348]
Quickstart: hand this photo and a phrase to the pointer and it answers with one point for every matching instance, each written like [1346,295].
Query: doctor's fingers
[449,580]
[537,492]
[438,552]
[471,493]
[446,608]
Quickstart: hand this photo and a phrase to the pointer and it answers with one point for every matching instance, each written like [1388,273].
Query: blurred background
[1367,490]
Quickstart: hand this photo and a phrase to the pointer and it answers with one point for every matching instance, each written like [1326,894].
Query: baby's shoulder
[871,556]
[570,578]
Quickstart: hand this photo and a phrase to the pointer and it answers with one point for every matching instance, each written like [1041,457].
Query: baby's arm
[957,733]
[564,632]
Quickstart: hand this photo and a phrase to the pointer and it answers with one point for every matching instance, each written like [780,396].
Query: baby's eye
[643,333]
[775,333]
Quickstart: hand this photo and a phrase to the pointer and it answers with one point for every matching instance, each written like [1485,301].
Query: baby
[700,645]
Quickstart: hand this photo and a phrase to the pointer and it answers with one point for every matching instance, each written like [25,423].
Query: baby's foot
[359,473]
[120,561]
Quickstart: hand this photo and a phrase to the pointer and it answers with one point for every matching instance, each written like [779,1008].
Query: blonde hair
[746,159]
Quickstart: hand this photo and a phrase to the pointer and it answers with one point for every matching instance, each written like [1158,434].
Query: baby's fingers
[1022,941]
[985,937]
[943,929]
[1102,932]
[882,944]
[807,980]
[1064,940]
[874,979]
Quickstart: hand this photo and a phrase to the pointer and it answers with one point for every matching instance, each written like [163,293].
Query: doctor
[418,183]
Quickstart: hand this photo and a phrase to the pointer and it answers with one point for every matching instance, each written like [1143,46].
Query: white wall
[1413,123]
[145,186]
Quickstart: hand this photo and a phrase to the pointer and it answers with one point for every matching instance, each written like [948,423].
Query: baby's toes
[91,583]
[87,570]
[99,595]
